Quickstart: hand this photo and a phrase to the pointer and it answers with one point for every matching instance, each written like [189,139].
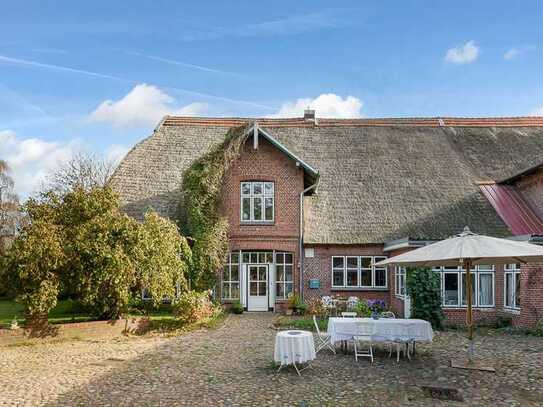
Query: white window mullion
[344,271]
[359,270]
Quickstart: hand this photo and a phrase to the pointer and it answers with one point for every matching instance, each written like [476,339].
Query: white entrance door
[258,287]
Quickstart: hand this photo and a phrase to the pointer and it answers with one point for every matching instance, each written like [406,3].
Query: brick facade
[531,302]
[266,163]
[320,267]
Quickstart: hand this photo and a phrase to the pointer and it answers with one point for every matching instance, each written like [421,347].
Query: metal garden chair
[323,338]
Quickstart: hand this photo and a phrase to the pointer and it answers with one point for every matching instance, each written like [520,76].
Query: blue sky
[98,75]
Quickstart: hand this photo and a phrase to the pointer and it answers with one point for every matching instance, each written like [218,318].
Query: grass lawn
[300,322]
[8,310]
[67,311]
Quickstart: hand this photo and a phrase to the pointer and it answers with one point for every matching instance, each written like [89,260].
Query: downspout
[309,188]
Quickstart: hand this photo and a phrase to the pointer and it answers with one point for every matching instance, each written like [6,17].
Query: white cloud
[464,54]
[514,52]
[325,105]
[143,106]
[31,159]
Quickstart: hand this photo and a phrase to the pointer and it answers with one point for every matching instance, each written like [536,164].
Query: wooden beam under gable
[255,136]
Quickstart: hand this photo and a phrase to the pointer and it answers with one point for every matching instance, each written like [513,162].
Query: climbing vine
[203,220]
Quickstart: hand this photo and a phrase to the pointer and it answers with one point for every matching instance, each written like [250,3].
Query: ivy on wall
[203,220]
[423,285]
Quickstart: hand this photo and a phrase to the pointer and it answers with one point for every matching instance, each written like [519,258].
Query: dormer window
[257,201]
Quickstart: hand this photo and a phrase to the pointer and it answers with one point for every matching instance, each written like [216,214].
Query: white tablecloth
[294,347]
[384,329]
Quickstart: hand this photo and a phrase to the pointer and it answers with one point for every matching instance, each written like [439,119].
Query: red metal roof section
[516,213]
[413,121]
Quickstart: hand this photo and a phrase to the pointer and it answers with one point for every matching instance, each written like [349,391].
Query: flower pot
[288,311]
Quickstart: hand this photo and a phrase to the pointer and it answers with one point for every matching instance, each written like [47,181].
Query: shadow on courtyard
[232,365]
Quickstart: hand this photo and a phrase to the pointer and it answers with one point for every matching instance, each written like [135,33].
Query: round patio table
[294,347]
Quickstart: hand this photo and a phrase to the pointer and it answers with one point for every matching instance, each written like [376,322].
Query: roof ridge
[437,121]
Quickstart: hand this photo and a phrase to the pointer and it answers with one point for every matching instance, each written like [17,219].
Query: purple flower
[376,305]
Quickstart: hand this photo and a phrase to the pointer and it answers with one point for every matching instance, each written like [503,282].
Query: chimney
[309,115]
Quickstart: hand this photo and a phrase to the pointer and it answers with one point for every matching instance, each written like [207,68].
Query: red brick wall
[320,267]
[531,188]
[266,163]
[531,301]
[531,277]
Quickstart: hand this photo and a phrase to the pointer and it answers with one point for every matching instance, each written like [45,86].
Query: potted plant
[376,307]
[293,303]
[363,309]
[236,307]
[301,308]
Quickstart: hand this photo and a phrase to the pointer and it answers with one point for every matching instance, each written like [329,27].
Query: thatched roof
[380,179]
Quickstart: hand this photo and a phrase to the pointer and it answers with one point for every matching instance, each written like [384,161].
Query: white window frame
[284,281]
[459,290]
[478,292]
[227,272]
[359,272]
[400,280]
[513,270]
[477,272]
[252,196]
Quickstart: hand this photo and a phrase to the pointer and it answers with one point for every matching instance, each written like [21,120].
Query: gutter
[309,188]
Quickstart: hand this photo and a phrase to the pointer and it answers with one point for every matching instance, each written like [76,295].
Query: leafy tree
[9,208]
[423,286]
[33,266]
[100,245]
[94,253]
[164,258]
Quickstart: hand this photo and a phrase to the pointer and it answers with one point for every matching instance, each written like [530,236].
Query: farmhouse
[313,204]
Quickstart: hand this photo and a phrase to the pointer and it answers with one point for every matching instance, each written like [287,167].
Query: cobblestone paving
[232,366]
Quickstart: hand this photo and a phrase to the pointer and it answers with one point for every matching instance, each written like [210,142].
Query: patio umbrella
[469,249]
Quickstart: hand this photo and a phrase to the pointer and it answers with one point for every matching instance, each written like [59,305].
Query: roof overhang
[405,243]
[311,175]
[521,174]
[535,239]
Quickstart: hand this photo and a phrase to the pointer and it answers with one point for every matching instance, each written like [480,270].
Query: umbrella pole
[469,315]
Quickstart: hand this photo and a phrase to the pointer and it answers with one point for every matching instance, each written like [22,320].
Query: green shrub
[424,288]
[315,307]
[504,321]
[80,245]
[294,301]
[301,308]
[236,307]
[363,309]
[193,306]
[201,217]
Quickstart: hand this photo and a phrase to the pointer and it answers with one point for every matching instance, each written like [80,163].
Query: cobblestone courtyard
[232,365]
